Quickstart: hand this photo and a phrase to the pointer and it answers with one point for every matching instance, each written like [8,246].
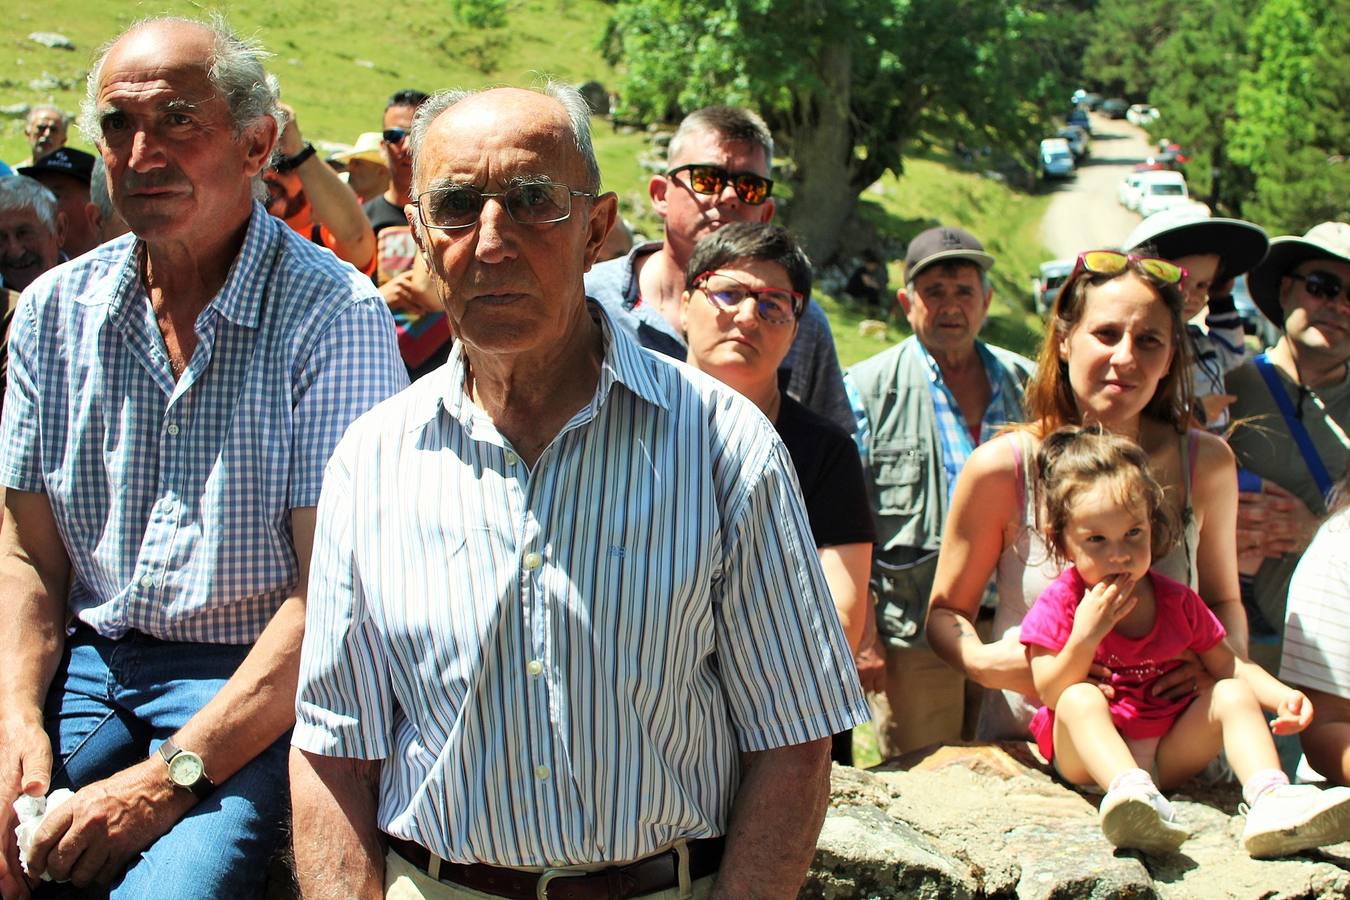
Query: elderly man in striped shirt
[567,635]
[173,398]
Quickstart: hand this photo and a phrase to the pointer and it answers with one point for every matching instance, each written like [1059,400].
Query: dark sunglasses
[1113,262]
[776,306]
[394,135]
[1323,285]
[707,179]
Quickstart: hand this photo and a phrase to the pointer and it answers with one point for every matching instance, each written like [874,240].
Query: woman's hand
[1294,714]
[1186,680]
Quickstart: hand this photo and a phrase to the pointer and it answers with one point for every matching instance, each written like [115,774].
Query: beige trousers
[404,881]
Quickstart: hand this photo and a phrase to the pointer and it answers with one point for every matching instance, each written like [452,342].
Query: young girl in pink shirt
[1108,627]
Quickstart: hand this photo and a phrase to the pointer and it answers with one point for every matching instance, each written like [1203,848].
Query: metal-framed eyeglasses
[529,203]
[777,306]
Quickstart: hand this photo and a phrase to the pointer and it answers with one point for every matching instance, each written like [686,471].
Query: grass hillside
[338,62]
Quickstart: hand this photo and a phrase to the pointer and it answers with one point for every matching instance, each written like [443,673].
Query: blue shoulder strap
[1295,425]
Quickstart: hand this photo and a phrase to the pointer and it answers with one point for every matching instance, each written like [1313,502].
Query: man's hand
[1215,404]
[408,291]
[27,767]
[871,662]
[290,142]
[1272,523]
[1294,714]
[91,837]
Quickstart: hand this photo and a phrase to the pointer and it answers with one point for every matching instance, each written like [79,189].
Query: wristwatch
[186,769]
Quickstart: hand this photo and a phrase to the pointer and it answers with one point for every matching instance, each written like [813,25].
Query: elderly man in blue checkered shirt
[921,408]
[173,398]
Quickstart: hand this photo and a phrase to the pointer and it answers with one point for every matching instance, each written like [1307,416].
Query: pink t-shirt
[1182,622]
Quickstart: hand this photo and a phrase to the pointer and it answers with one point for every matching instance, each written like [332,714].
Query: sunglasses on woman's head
[1113,262]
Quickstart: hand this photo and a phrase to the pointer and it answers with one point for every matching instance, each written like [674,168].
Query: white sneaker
[1136,818]
[1294,817]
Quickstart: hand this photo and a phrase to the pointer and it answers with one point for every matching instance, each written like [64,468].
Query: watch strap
[202,787]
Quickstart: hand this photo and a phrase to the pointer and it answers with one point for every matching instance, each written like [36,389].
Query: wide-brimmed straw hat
[367,147]
[1330,240]
[1191,229]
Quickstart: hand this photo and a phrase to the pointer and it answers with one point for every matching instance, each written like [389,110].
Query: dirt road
[1084,213]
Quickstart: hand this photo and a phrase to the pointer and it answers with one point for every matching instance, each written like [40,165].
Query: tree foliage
[1291,130]
[1122,42]
[848,85]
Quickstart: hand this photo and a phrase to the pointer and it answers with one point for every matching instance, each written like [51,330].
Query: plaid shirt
[957,444]
[173,497]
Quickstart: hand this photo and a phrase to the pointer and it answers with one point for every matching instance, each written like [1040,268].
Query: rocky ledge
[988,821]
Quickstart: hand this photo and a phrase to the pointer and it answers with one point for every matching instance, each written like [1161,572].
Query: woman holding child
[1115,357]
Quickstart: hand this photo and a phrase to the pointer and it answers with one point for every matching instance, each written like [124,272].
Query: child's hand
[1105,604]
[1294,715]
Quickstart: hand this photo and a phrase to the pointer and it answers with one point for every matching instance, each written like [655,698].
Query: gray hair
[732,123]
[65,119]
[98,190]
[20,193]
[578,117]
[235,69]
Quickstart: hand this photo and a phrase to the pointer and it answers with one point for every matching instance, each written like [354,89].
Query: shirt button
[535,667]
[511,458]
[541,772]
[172,430]
[532,560]
[147,581]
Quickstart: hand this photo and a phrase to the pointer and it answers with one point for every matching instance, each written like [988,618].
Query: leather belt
[645,876]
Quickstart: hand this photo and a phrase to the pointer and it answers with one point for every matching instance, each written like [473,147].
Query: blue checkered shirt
[173,497]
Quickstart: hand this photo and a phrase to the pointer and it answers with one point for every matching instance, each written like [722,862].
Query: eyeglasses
[1113,262]
[530,203]
[706,179]
[1323,285]
[774,305]
[394,135]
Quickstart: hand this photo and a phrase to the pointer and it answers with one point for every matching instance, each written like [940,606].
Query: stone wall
[988,821]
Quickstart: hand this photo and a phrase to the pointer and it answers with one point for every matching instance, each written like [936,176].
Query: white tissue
[30,811]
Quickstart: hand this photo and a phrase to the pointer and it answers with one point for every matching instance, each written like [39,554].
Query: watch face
[185,769]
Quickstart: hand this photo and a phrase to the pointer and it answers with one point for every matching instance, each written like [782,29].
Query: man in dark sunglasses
[423,333]
[717,172]
[1293,416]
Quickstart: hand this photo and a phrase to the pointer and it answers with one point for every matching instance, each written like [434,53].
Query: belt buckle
[541,886]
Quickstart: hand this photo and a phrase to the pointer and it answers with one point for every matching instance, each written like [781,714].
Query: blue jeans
[111,704]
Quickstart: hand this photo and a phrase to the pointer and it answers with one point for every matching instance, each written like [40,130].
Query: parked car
[1086,98]
[1115,108]
[1078,117]
[1047,281]
[1141,114]
[1128,192]
[1160,190]
[1056,159]
[1078,140]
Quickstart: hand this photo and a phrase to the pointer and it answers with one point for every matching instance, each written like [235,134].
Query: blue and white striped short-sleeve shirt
[173,498]
[559,665]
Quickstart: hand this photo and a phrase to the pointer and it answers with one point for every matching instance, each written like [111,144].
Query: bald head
[553,101]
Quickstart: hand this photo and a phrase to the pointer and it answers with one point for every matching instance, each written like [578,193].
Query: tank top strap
[1023,455]
[1190,449]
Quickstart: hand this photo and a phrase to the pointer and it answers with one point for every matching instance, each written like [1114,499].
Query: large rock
[986,821]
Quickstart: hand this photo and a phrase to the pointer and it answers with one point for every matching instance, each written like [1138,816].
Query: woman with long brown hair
[1114,356]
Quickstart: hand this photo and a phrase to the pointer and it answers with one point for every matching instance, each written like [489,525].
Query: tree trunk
[821,137]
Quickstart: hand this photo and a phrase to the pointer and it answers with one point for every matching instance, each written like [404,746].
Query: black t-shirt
[831,476]
[382,214]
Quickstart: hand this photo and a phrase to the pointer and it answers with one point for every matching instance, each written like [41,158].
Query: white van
[1160,190]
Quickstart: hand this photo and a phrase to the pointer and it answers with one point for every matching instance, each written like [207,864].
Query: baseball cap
[65,161]
[944,243]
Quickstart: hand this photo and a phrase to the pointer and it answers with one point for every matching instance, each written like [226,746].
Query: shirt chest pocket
[899,473]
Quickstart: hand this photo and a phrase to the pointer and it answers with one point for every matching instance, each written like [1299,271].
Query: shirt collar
[624,362]
[240,298]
